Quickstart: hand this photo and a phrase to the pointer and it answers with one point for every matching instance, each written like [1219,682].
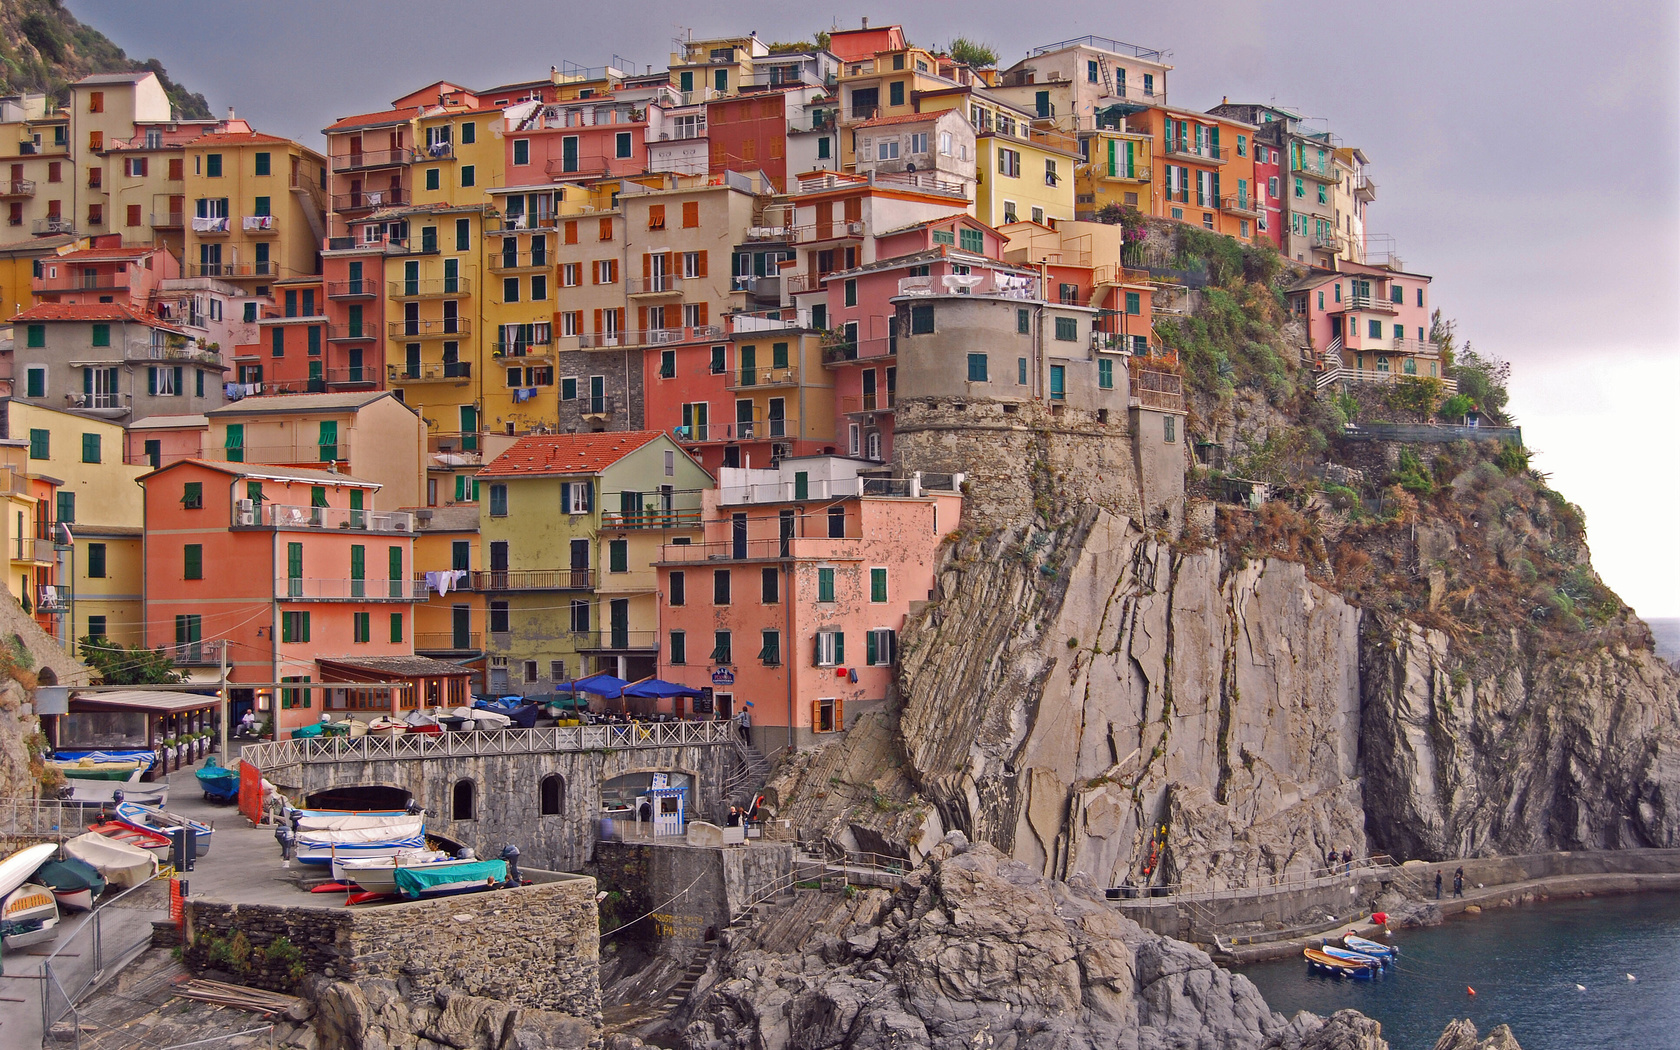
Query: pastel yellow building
[37,174]
[254,208]
[1118,172]
[450,625]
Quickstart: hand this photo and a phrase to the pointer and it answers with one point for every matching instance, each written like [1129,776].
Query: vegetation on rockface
[43,48]
[279,960]
[124,665]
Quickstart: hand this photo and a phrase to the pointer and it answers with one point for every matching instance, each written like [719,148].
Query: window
[1105,373]
[396,628]
[1397,294]
[770,648]
[880,647]
[877,585]
[212,165]
[1067,329]
[96,102]
[667,364]
[263,164]
[192,493]
[895,90]
[1169,429]
[1021,371]
[921,320]
[578,496]
[656,217]
[294,627]
[568,388]
[770,586]
[66,506]
[1134,303]
[677,592]
[469,133]
[36,335]
[101,335]
[498,500]
[90,448]
[539,288]
[977,368]
[1242,145]
[831,648]
[825,584]
[522,151]
[498,617]
[1009,163]
[679,647]
[461,799]
[96,561]
[463,242]
[720,586]
[721,648]
[851,293]
[623,145]
[618,555]
[362,628]
[468,176]
[822,148]
[134,215]
[1058,382]
[40,444]
[691,215]
[1373,327]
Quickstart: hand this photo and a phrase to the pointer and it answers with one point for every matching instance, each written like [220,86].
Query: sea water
[1525,964]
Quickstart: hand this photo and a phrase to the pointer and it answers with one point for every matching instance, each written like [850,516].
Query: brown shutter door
[598,328]
[703,255]
[647,266]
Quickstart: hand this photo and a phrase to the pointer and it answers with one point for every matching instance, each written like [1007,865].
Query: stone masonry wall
[536,946]
[693,889]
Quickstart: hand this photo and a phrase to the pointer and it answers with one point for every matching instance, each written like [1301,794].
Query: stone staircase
[691,977]
[748,776]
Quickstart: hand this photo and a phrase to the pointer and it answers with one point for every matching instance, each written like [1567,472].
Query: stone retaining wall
[692,891]
[1494,871]
[535,946]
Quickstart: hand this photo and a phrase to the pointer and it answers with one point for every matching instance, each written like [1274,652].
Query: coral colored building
[791,605]
[284,565]
[1368,320]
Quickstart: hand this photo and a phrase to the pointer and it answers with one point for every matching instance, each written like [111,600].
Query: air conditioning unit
[399,524]
[247,512]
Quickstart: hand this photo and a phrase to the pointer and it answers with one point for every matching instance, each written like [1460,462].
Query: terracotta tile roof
[905,118]
[542,455]
[91,312]
[87,254]
[389,116]
[239,138]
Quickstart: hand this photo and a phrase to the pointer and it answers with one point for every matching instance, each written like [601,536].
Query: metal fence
[279,753]
[81,959]
[24,821]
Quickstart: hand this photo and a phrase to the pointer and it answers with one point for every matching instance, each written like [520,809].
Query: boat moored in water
[1363,946]
[1379,962]
[1325,963]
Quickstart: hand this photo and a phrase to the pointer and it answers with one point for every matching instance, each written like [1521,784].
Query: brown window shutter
[839,714]
[641,318]
[854,209]
[177,169]
[691,214]
[703,320]
[606,229]
[647,266]
[598,328]
[703,255]
[571,232]
[816,713]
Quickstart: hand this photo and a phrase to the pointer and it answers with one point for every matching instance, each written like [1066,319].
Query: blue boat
[521,711]
[220,783]
[1379,962]
[1365,947]
[146,818]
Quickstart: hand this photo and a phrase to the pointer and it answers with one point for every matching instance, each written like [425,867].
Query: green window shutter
[825,585]
[66,506]
[618,556]
[463,236]
[358,562]
[151,379]
[1113,149]
[101,335]
[1105,374]
[317,495]
[396,563]
[234,443]
[40,444]
[870,653]
[396,628]
[96,561]
[294,561]
[192,495]
[329,440]
[90,448]
[193,561]
[877,585]
[839,647]
[565,499]
[1023,321]
[37,382]
[37,336]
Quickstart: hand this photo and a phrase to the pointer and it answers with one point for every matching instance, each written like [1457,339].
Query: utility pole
[222,693]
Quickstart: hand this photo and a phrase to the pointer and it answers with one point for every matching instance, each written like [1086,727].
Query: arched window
[552,795]
[461,800]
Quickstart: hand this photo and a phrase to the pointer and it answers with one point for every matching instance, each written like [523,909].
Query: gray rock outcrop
[375,1015]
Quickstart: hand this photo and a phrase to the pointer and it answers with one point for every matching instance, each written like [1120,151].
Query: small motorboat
[220,783]
[420,722]
[87,768]
[105,791]
[1365,947]
[122,864]
[378,874]
[344,820]
[520,713]
[349,727]
[74,883]
[155,842]
[1379,962]
[18,868]
[310,731]
[324,845]
[385,726]
[1323,963]
[445,878]
[28,916]
[145,818]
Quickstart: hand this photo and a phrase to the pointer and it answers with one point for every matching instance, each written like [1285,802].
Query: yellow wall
[1030,189]
[292,242]
[1105,184]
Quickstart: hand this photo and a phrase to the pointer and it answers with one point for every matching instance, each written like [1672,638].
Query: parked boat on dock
[1360,944]
[1379,962]
[29,915]
[122,864]
[440,880]
[321,845]
[75,884]
[101,791]
[378,875]
[146,818]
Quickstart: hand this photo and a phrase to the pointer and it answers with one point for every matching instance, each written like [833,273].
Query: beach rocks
[375,1015]
[1343,1030]
[1461,1035]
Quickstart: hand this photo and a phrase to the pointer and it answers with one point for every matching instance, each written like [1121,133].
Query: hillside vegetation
[43,48]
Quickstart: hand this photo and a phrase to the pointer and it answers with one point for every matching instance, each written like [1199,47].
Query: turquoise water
[1524,963]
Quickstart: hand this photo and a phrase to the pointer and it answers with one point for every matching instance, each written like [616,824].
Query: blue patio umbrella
[601,685]
[659,688]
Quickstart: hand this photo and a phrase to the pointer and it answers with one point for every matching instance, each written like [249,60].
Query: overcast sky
[1525,155]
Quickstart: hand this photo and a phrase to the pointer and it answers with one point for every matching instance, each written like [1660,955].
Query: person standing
[1347,861]
[1437,885]
[1458,883]
[744,720]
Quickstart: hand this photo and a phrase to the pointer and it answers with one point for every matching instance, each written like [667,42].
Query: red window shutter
[691,214]
[598,328]
[606,229]
[641,318]
[134,215]
[571,232]
[177,169]
[703,255]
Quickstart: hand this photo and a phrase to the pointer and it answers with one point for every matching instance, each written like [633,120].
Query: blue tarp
[658,687]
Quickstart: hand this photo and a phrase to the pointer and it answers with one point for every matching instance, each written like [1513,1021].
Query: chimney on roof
[230,113]
[866,21]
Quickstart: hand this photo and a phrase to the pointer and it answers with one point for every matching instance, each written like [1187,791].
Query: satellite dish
[910,167]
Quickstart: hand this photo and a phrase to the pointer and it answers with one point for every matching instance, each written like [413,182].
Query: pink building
[158,441]
[105,272]
[791,605]
[1268,191]
[587,138]
[1368,320]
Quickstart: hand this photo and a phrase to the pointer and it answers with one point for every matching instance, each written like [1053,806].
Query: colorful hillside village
[601,371]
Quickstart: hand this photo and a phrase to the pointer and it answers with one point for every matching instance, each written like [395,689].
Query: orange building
[1203,169]
[290,568]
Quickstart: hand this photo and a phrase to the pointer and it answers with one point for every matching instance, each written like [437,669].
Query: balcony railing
[447,642]
[234,269]
[209,225]
[493,580]
[367,200]
[282,516]
[667,284]
[259,223]
[1322,173]
[435,288]
[196,654]
[860,350]
[366,288]
[820,548]
[436,151]
[15,188]
[447,328]
[740,430]
[526,349]
[1367,303]
[769,321]
[352,375]
[1240,205]
[379,158]
[1327,242]
[751,378]
[1179,149]
[168,220]
[338,589]
[507,262]
[880,401]
[825,231]
[610,640]
[458,372]
[596,406]
[647,337]
[651,519]
[351,333]
[53,224]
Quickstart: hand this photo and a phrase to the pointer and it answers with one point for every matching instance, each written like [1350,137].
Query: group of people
[1344,858]
[1458,883]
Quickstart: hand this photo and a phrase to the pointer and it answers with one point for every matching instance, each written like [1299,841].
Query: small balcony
[817,233]
[616,641]
[446,328]
[435,288]
[456,373]
[1178,149]
[234,269]
[653,287]
[1327,242]
[596,407]
[869,404]
[1365,304]
[368,200]
[351,333]
[524,350]
[259,224]
[1136,173]
[844,351]
[379,158]
[651,519]
[352,376]
[211,225]
[504,580]
[647,337]
[53,225]
[196,654]
[777,429]
[323,589]
[1244,206]
[435,151]
[16,189]
[366,288]
[168,220]
[320,519]
[763,378]
[445,642]
[1320,173]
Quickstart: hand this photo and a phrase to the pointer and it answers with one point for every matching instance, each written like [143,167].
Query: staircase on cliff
[747,778]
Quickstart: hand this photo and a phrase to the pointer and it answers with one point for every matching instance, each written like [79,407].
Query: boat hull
[322,851]
[104,791]
[145,818]
[1360,944]
[1320,962]
[28,916]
